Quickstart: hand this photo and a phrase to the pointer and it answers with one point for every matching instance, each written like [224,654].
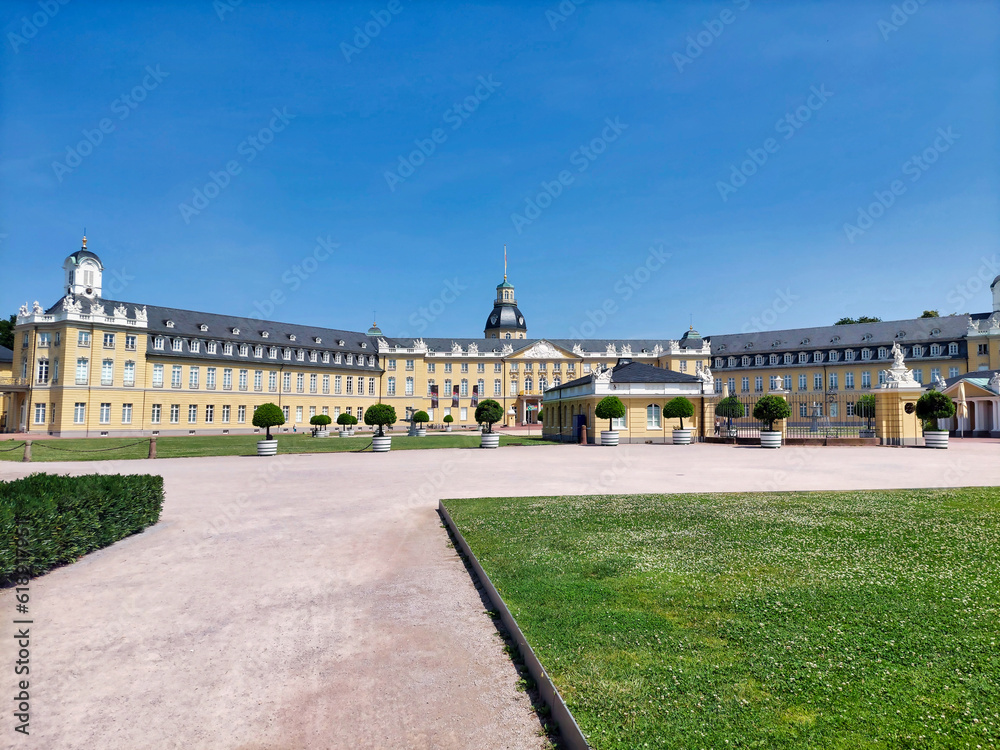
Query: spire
[505,261]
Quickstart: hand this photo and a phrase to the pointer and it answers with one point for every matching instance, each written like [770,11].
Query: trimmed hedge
[61,518]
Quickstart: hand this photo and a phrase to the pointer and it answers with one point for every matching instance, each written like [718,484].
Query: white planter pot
[609,437]
[682,437]
[421,432]
[447,427]
[322,433]
[490,440]
[936,439]
[770,439]
[267,447]
[344,433]
[381,444]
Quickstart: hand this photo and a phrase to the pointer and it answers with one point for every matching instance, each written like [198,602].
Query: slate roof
[6,355]
[508,316]
[635,372]
[913,330]
[980,378]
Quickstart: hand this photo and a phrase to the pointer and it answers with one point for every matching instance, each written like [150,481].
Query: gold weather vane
[85,238]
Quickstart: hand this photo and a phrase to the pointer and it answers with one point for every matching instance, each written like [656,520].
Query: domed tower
[995,288]
[506,320]
[83,273]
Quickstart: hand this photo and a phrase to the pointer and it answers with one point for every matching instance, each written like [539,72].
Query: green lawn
[795,620]
[234,445]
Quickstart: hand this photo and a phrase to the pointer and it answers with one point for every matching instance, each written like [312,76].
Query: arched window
[653,417]
[507,336]
[527,385]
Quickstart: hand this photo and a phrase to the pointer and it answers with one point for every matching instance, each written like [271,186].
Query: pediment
[543,350]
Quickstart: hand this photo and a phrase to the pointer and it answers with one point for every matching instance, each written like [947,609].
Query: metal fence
[815,414]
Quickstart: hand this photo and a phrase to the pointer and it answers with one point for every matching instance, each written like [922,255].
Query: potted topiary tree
[346,421]
[864,408]
[448,419]
[421,418]
[268,416]
[679,408]
[488,413]
[320,422]
[729,409]
[609,408]
[931,407]
[770,409]
[380,415]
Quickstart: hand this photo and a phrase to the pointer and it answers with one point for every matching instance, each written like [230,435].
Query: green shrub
[678,408]
[730,408]
[448,418]
[62,518]
[933,406]
[489,412]
[610,407]
[864,407]
[380,415]
[347,419]
[320,420]
[268,416]
[770,409]
[421,417]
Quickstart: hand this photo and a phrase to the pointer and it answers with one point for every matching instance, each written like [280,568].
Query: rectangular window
[286,382]
[350,385]
[157,376]
[258,380]
[109,341]
[758,384]
[192,413]
[105,414]
[849,380]
[653,417]
[982,349]
[175,376]
[390,364]
[83,338]
[850,409]
[298,413]
[463,414]
[430,367]
[409,386]
[498,366]
[497,387]
[618,423]
[952,372]
[326,384]
[175,413]
[43,371]
[390,386]
[787,382]
[833,381]
[300,382]
[194,375]
[447,366]
[371,386]
[241,414]
[745,385]
[209,413]
[732,386]
[935,373]
[313,383]
[227,378]
[802,382]
[866,379]
[481,367]
[178,345]
[337,380]
[817,381]
[126,413]
[225,413]
[272,381]
[79,412]
[464,389]
[40,413]
[465,367]
[684,365]
[409,364]
[210,378]
[211,347]
[44,339]
[803,409]
[128,376]
[154,415]
[130,342]
[107,372]
[918,374]
[244,379]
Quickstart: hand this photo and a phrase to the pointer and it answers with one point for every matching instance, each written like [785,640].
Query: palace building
[92,366]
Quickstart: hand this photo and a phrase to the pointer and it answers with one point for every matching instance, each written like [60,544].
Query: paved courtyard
[312,601]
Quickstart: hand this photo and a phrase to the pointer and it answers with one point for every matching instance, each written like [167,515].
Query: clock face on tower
[520,321]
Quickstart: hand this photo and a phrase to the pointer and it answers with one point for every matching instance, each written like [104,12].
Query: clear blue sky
[683,124]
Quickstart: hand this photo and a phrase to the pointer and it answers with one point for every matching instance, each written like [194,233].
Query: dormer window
[803,358]
[883,352]
[291,337]
[817,356]
[722,348]
[195,346]
[326,358]
[336,358]
[953,348]
[244,350]
[866,337]
[264,334]
[746,361]
[788,359]
[236,331]
[170,324]
[835,339]
[258,351]
[759,360]
[203,327]
[748,345]
[804,342]
[350,359]
[773,359]
[900,334]
[300,356]
[834,356]
[849,355]
[287,354]
[936,332]
[313,356]
[177,344]
[318,340]
[732,362]
[775,343]
[273,352]
[340,342]
[211,347]
[227,349]
[918,351]
[364,344]
[158,343]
